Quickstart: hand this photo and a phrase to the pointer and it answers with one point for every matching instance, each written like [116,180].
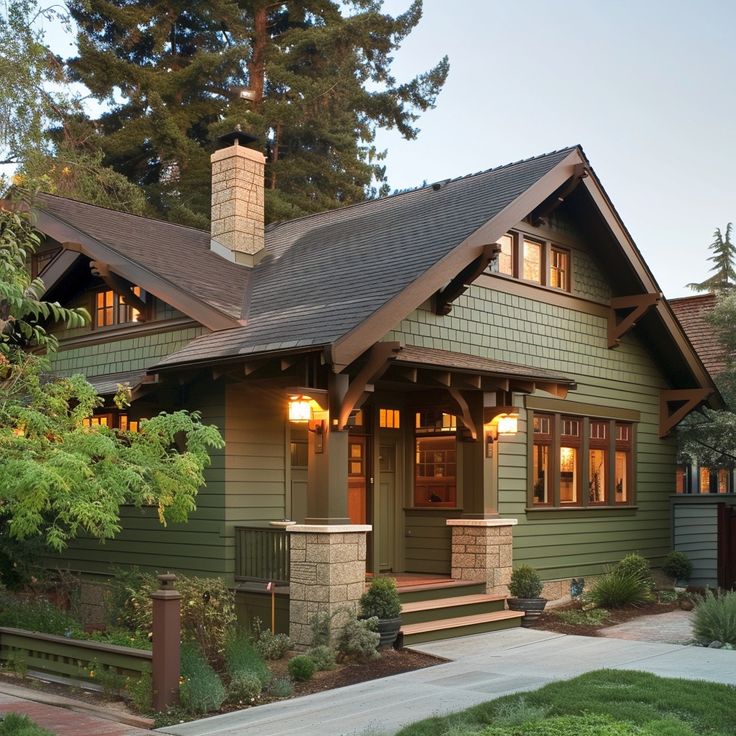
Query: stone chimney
[237,230]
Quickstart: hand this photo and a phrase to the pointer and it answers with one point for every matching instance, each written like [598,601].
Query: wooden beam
[676,404]
[380,357]
[465,414]
[466,380]
[522,387]
[556,389]
[120,286]
[286,363]
[445,296]
[541,213]
[407,373]
[635,307]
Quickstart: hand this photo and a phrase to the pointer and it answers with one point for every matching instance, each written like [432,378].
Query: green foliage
[140,692]
[321,626]
[17,663]
[714,618]
[269,645]
[207,610]
[281,687]
[301,668]
[358,638]
[108,678]
[525,582]
[592,617]
[323,657]
[381,599]
[319,75]
[201,690]
[619,588]
[120,637]
[636,565]
[678,566]
[15,724]
[37,615]
[244,688]
[519,712]
[588,724]
[723,256]
[241,657]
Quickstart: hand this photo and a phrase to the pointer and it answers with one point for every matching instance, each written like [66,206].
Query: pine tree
[311,79]
[724,273]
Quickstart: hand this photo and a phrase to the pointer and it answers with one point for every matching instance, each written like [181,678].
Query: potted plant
[677,565]
[525,589]
[382,601]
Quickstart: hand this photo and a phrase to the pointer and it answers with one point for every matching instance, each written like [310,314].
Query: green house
[438,385]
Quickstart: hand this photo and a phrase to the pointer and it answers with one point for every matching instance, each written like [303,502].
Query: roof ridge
[274,225]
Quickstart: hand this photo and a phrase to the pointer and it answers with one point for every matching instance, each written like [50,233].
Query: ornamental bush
[269,645]
[201,690]
[714,618]
[618,588]
[242,658]
[323,657]
[525,582]
[244,688]
[358,639]
[301,668]
[637,566]
[381,599]
[677,565]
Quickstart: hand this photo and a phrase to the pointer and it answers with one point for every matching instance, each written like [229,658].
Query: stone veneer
[327,573]
[237,204]
[482,550]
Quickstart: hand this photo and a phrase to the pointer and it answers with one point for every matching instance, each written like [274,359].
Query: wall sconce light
[300,409]
[503,422]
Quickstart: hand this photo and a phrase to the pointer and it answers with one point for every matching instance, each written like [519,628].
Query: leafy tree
[59,478]
[723,255]
[310,78]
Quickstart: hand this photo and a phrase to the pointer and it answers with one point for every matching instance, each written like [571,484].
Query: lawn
[602,703]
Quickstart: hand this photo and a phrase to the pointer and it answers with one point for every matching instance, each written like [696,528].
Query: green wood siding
[427,541]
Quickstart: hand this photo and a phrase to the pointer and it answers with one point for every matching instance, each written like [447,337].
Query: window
[682,479]
[537,261]
[389,418]
[299,453]
[580,462]
[713,480]
[110,309]
[435,476]
[113,420]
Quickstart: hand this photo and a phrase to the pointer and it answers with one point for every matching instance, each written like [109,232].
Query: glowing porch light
[508,424]
[300,409]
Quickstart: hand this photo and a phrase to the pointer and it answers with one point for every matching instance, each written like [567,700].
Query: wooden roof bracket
[380,356]
[541,213]
[122,287]
[465,414]
[676,404]
[635,307]
[446,296]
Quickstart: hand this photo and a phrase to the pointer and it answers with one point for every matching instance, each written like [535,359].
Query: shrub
[381,599]
[636,565]
[242,658]
[301,668]
[714,618]
[202,690]
[525,583]
[281,687]
[120,637]
[37,615]
[618,588]
[140,692]
[14,724]
[321,626]
[244,688]
[592,617]
[358,639]
[269,645]
[678,566]
[322,656]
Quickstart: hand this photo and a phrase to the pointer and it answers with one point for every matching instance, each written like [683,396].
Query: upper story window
[534,260]
[110,309]
[114,420]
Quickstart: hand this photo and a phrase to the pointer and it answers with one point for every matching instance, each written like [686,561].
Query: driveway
[484,667]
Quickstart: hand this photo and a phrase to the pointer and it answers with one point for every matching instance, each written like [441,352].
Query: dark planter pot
[388,628]
[532,607]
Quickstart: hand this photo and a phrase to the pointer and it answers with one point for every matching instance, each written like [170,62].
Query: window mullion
[585,462]
[555,459]
[611,470]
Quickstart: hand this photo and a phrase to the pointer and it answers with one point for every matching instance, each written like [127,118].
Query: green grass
[598,703]
[13,724]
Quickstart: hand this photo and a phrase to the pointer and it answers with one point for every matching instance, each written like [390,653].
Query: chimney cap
[236,136]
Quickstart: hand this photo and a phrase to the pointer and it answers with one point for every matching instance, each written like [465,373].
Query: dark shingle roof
[691,311]
[179,254]
[325,274]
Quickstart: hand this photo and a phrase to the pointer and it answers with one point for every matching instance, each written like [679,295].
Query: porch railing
[261,554]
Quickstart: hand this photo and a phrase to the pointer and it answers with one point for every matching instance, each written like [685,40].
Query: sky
[645,86]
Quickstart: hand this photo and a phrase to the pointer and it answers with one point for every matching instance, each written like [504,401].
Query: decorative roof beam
[465,414]
[119,285]
[541,213]
[676,404]
[634,307]
[446,296]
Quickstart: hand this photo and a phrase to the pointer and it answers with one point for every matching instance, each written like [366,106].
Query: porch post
[480,496]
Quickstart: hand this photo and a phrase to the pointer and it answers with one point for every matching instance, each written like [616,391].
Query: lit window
[598,463]
[541,488]
[532,261]
[389,418]
[110,309]
[505,260]
[623,469]
[559,269]
[115,421]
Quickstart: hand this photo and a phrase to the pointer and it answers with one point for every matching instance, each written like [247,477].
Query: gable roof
[691,311]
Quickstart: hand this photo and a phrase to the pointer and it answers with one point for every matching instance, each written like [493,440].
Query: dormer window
[110,309]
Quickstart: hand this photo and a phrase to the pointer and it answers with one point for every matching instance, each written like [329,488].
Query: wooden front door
[357,467]
[726,546]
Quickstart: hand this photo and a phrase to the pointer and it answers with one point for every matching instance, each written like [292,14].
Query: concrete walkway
[484,667]
[673,627]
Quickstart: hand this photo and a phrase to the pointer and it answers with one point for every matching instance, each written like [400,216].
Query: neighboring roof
[691,312]
[325,274]
[179,254]
[418,356]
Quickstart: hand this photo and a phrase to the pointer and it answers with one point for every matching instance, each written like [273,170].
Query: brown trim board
[541,403]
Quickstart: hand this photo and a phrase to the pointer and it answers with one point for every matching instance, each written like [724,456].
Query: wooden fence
[262,554]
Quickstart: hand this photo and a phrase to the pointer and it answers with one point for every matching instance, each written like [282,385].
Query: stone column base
[327,573]
[482,550]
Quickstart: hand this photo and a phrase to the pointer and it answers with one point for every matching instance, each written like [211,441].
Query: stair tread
[454,623]
[439,586]
[460,600]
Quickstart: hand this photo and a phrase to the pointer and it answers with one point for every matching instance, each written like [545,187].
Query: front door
[357,467]
[386,506]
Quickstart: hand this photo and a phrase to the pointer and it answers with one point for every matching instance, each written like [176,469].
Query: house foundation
[327,572]
[482,550]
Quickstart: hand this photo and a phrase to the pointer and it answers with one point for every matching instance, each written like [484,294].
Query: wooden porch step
[460,626]
[462,605]
[443,589]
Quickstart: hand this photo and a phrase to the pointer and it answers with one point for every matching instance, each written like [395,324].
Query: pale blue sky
[645,86]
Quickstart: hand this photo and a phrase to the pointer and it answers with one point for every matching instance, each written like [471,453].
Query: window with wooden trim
[110,309]
[435,466]
[713,480]
[505,259]
[389,418]
[114,420]
[580,462]
[559,268]
[532,261]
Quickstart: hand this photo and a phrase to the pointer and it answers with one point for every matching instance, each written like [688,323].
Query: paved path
[485,666]
[62,720]
[673,627]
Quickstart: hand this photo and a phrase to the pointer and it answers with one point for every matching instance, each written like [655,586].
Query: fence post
[166,640]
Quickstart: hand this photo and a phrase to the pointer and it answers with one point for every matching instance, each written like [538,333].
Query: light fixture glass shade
[508,424]
[300,410]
